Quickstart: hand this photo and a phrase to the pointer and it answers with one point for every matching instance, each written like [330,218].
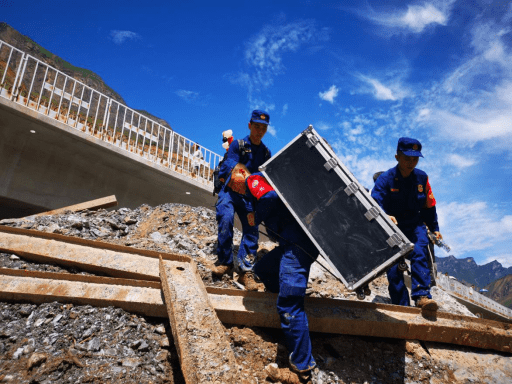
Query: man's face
[258,130]
[406,164]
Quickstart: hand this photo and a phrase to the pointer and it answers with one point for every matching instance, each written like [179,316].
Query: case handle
[372,213]
[351,189]
[395,240]
[331,163]
[312,141]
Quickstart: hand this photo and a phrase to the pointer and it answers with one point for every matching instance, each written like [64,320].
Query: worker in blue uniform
[404,193]
[285,270]
[243,158]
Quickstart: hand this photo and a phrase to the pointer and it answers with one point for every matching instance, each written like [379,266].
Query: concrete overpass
[62,143]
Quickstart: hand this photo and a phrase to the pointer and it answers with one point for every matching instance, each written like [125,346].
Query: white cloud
[474,102]
[380,91]
[260,104]
[392,92]
[472,127]
[263,55]
[188,96]
[505,260]
[119,37]
[460,161]
[272,130]
[417,17]
[284,110]
[473,226]
[264,52]
[362,167]
[322,126]
[329,95]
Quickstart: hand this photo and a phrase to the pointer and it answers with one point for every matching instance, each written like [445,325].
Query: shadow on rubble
[359,359]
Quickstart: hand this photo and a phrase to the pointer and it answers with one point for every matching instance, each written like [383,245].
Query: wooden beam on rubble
[199,336]
[104,202]
[88,255]
[258,309]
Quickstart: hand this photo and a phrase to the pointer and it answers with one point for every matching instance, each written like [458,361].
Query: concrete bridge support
[45,164]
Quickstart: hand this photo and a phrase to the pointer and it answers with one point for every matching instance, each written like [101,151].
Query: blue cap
[260,117]
[409,147]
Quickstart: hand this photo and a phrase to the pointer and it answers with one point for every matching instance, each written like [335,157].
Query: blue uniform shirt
[255,155]
[405,198]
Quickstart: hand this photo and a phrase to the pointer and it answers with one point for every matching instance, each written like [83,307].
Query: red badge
[258,186]
[431,201]
[394,189]
[420,188]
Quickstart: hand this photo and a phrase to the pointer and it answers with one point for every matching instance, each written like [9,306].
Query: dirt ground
[182,229]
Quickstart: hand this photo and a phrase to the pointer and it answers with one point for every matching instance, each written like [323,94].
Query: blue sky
[364,73]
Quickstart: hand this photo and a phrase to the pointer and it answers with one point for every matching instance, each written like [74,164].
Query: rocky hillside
[64,343]
[501,291]
[86,76]
[469,272]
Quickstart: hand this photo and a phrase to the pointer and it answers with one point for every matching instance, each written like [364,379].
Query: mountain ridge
[86,76]
[469,272]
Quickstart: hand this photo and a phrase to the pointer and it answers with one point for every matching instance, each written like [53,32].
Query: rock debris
[64,343]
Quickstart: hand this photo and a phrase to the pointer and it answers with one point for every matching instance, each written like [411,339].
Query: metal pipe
[42,89]
[7,66]
[32,82]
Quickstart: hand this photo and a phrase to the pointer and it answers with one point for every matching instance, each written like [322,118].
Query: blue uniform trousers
[228,203]
[420,272]
[285,270]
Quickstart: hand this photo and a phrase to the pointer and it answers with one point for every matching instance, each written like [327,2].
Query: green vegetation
[85,73]
[42,50]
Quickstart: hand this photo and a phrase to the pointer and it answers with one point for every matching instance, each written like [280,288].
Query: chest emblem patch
[420,188]
[255,183]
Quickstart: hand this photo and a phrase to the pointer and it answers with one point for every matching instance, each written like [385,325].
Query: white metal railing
[38,86]
[459,290]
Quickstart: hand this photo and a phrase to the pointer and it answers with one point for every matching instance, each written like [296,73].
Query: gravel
[64,343]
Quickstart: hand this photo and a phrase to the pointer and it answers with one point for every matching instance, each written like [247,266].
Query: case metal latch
[351,189]
[312,141]
[372,213]
[395,240]
[331,163]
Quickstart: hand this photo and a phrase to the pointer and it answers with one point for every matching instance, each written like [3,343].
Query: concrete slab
[58,166]
[204,350]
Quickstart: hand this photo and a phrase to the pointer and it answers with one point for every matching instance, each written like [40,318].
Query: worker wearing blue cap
[404,193]
[243,158]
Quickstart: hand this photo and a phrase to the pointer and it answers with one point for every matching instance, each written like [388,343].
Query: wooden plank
[45,287]
[258,309]
[104,202]
[93,256]
[204,350]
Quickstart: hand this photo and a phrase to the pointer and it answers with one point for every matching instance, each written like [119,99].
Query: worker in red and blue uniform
[404,193]
[252,153]
[285,270]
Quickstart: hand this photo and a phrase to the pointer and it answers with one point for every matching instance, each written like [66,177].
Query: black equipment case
[350,230]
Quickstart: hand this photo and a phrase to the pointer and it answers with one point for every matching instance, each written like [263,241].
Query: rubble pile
[60,343]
